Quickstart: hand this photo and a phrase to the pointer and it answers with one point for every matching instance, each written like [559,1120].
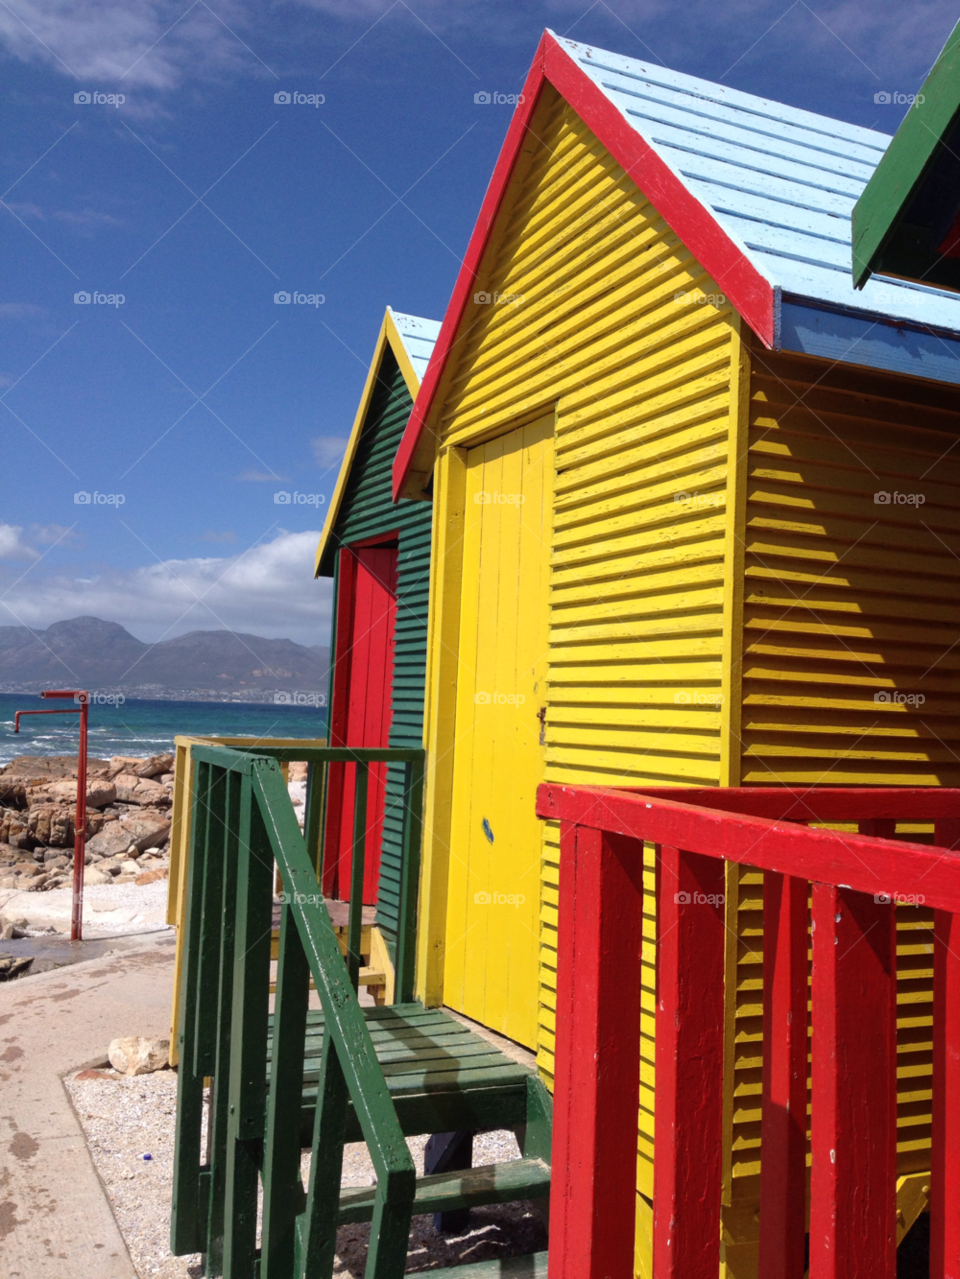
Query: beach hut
[696,523]
[378,555]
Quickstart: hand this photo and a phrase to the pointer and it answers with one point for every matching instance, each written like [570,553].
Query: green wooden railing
[243,821]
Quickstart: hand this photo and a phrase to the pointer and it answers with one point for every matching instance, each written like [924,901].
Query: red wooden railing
[855,880]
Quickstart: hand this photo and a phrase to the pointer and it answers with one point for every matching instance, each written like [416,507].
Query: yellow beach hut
[695,523]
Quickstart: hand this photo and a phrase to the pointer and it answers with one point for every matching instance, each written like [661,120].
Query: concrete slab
[55,1217]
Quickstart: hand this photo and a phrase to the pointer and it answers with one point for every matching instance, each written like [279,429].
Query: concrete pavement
[55,1218]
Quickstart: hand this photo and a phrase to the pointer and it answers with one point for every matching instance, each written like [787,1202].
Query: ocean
[146,727]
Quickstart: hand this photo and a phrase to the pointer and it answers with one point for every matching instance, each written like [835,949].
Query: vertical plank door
[361,710]
[492,938]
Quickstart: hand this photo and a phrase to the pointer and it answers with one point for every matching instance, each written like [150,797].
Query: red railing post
[854,1096]
[689,1067]
[593,1198]
[783,1133]
[945,1126]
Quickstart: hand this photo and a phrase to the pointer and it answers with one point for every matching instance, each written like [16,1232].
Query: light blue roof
[780,182]
[418,336]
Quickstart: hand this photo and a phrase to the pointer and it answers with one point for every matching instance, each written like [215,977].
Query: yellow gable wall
[598,312]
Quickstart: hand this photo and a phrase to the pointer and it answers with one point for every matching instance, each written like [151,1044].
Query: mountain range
[90,653]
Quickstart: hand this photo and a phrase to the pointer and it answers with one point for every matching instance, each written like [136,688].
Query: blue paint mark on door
[487,831]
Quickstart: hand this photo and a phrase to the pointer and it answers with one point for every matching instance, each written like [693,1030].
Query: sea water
[142,727]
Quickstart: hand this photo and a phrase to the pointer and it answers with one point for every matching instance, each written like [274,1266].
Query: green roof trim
[898,222]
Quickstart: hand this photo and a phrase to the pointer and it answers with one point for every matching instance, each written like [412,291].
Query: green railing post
[409,880]
[224,920]
[355,917]
[313,814]
[187,1225]
[319,1234]
[283,1198]
[248,1033]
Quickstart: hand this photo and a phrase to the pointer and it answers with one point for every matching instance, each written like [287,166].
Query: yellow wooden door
[492,949]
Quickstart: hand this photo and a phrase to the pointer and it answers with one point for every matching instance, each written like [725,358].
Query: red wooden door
[361,709]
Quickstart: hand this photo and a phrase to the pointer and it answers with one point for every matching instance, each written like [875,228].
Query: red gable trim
[749,292]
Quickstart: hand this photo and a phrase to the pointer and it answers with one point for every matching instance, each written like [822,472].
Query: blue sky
[198,198]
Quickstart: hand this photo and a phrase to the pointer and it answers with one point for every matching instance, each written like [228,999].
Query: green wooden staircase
[300,1079]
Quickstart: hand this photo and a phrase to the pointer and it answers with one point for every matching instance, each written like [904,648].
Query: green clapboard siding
[367,510]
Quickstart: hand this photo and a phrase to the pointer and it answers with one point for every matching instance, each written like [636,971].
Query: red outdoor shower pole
[80,822]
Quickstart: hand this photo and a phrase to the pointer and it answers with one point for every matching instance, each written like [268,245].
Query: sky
[177,182]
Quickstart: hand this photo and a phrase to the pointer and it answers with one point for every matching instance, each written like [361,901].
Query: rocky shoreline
[129,803]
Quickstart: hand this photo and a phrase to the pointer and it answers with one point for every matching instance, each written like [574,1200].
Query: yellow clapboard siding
[773,597]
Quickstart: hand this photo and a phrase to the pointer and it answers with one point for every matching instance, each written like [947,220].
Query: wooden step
[466,1188]
[532,1266]
[442,1076]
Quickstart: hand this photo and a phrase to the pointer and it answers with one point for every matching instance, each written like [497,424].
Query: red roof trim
[749,292]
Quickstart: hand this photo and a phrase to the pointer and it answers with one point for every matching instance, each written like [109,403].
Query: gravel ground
[125,1118]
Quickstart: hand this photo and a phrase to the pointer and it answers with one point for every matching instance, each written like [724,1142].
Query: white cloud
[148,43]
[329,449]
[12,545]
[261,477]
[268,590]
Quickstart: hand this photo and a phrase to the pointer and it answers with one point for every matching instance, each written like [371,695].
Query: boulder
[122,764]
[141,832]
[151,876]
[99,792]
[155,766]
[93,875]
[137,1055]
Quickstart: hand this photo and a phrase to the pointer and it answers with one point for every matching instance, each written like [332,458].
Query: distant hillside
[102,655]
